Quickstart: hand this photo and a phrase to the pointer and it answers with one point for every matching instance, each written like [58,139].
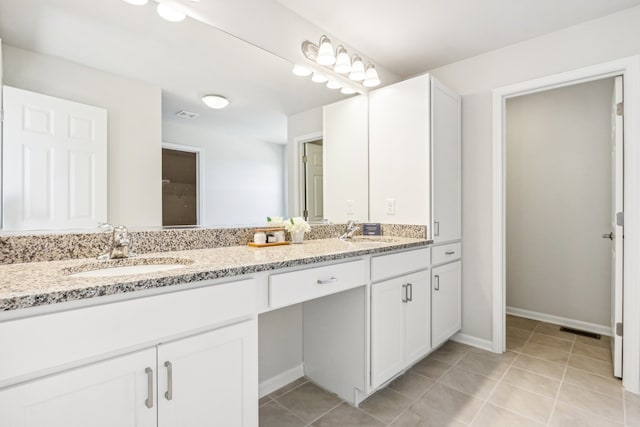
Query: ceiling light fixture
[170,12]
[137,2]
[216,102]
[346,66]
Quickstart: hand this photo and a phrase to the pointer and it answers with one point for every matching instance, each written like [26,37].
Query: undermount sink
[130,266]
[371,239]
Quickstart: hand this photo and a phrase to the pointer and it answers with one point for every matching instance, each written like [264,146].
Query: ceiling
[413,36]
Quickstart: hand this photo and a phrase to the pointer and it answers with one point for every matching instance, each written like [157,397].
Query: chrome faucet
[119,242]
[350,231]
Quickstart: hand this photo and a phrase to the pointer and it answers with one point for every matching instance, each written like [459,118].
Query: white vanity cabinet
[446,308]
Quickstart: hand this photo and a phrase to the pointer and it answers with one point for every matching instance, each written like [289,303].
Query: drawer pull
[327,281]
[149,401]
[450,252]
[169,393]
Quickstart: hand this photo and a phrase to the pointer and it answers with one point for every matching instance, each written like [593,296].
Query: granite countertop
[41,283]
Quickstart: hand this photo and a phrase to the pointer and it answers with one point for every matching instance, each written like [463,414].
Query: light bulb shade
[371,78]
[216,102]
[357,73]
[319,78]
[170,12]
[326,56]
[343,62]
[137,2]
[333,84]
[347,91]
[301,71]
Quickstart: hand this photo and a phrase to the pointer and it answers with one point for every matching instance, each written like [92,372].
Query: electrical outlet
[350,207]
[390,207]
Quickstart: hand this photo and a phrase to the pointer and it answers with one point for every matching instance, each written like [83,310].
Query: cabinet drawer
[302,285]
[387,266]
[446,253]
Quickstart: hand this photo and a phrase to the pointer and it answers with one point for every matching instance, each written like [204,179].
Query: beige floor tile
[600,353]
[532,382]
[554,331]
[513,332]
[435,418]
[347,416]
[521,322]
[546,353]
[449,354]
[591,365]
[452,403]
[274,415]
[565,415]
[515,343]
[522,402]
[411,384]
[592,402]
[431,368]
[287,388]
[604,341]
[386,405]
[553,342]
[494,416]
[539,366]
[264,400]
[632,409]
[506,357]
[469,382]
[483,365]
[610,386]
[308,401]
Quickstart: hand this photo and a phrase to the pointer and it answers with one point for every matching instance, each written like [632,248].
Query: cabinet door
[446,317]
[387,330]
[446,163]
[210,379]
[104,394]
[417,318]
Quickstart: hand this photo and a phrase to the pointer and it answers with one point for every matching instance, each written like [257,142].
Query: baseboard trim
[562,321]
[280,380]
[473,341]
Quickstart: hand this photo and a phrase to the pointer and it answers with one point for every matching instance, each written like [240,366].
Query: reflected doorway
[312,164]
[180,179]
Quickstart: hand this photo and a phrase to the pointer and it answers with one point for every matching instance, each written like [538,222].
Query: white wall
[134,126]
[279,341]
[243,180]
[609,38]
[133,133]
[559,202]
[299,125]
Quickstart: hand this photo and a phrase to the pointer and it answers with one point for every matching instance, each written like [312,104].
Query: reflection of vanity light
[347,91]
[170,12]
[137,2]
[216,102]
[319,78]
[301,71]
[333,84]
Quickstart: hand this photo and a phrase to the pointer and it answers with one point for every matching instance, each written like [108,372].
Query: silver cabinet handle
[169,393]
[149,401]
[437,285]
[450,252]
[436,228]
[404,293]
[327,281]
[410,290]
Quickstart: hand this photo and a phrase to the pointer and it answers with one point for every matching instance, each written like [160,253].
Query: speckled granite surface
[41,283]
[19,248]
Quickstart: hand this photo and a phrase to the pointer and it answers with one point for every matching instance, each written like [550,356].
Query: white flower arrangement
[297,224]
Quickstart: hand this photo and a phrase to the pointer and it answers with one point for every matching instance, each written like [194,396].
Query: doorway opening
[180,186]
[312,180]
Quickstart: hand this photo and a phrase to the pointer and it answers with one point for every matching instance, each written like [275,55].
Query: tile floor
[547,377]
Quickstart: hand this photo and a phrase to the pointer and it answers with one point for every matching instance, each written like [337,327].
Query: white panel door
[54,162]
[617,168]
[387,330]
[104,394]
[417,316]
[210,379]
[446,314]
[446,164]
[314,181]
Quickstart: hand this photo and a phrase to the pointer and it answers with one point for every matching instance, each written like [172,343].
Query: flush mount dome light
[137,2]
[170,12]
[216,102]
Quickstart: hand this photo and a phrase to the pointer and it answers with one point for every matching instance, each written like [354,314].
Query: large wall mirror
[169,157]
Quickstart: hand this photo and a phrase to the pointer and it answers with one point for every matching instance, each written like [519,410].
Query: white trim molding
[562,321]
[298,203]
[472,341]
[199,173]
[280,380]
[630,69]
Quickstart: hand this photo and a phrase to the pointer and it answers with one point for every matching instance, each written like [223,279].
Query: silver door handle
[404,293]
[450,252]
[327,281]
[169,393]
[437,285]
[436,228]
[609,236]
[149,401]
[410,291]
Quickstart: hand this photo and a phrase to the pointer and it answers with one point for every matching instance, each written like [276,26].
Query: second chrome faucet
[119,243]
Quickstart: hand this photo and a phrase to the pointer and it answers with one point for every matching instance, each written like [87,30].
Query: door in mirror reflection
[313,176]
[179,187]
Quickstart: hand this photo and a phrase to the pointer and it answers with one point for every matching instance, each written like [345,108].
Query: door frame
[299,182]
[199,152]
[629,68]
